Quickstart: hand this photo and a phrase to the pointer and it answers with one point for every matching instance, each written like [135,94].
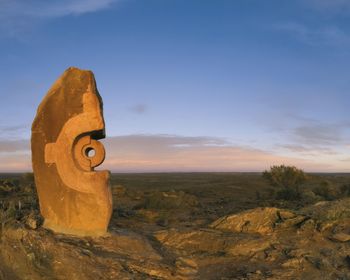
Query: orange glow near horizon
[141,154]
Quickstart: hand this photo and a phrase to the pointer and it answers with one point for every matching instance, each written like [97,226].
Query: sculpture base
[71,231]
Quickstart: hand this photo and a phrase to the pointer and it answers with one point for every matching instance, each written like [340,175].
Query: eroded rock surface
[164,232]
[36,255]
[284,245]
[260,220]
[267,243]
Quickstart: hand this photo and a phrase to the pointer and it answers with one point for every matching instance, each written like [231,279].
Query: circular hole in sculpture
[90,152]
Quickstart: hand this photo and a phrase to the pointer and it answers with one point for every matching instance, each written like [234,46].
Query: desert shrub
[326,190]
[167,200]
[118,190]
[28,177]
[8,185]
[309,197]
[271,192]
[258,195]
[123,212]
[8,214]
[28,182]
[288,194]
[30,202]
[288,179]
[345,190]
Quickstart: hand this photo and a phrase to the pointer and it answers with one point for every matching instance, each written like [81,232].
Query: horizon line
[188,172]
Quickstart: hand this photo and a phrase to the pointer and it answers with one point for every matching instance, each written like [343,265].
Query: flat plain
[186,226]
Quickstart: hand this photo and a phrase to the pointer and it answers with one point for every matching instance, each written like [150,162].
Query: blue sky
[226,85]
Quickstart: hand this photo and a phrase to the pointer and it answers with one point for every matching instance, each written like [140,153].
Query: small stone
[308,225]
[32,222]
[31,256]
[340,237]
[187,261]
[285,215]
[292,222]
[293,263]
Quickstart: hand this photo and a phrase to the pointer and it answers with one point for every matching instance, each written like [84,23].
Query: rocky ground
[182,232]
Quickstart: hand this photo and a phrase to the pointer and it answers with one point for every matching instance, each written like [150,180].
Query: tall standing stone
[74,198]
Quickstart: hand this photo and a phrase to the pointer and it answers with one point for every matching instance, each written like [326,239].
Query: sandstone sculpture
[74,198]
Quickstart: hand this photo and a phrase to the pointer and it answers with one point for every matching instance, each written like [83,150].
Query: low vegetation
[18,199]
[288,180]
[292,184]
[192,225]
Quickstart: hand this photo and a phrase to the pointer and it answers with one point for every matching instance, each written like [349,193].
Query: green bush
[286,178]
[288,194]
[28,182]
[326,190]
[8,214]
[345,190]
[28,177]
[309,197]
[8,186]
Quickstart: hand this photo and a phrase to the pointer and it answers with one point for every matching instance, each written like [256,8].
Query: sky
[187,85]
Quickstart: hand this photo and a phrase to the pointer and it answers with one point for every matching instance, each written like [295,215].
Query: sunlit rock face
[259,220]
[74,198]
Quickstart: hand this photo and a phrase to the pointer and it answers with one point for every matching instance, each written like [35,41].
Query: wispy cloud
[18,15]
[13,132]
[14,146]
[47,9]
[15,162]
[318,134]
[12,128]
[321,134]
[328,6]
[158,153]
[327,30]
[139,109]
[145,153]
[15,155]
[309,138]
[309,150]
[329,35]
[160,143]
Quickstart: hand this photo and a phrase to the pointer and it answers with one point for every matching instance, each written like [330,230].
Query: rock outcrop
[293,247]
[268,243]
[259,220]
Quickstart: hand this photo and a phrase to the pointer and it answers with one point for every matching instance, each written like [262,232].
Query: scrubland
[186,226]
